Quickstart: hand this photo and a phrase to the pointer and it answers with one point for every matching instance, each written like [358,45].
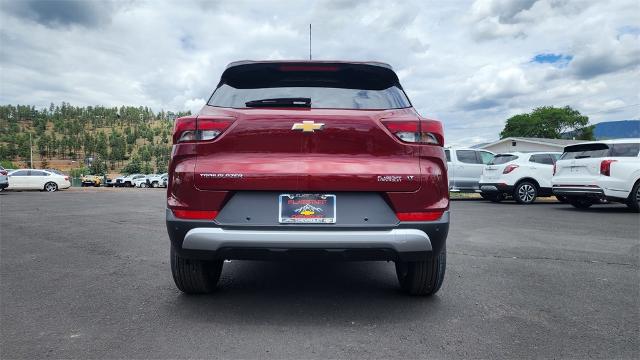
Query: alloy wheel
[526,193]
[50,187]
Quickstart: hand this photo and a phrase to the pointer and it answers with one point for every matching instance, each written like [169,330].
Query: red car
[296,159]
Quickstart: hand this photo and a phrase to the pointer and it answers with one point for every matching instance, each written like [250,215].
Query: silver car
[464,168]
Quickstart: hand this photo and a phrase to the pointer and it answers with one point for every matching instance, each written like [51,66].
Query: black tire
[580,203]
[525,193]
[422,277]
[128,184]
[50,187]
[633,202]
[154,184]
[194,276]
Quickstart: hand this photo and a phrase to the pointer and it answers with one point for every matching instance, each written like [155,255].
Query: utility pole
[30,151]
[309,41]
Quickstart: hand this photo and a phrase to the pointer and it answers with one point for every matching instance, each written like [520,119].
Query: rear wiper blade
[280,102]
[583,156]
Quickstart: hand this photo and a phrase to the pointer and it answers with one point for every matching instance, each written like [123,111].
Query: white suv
[592,172]
[524,176]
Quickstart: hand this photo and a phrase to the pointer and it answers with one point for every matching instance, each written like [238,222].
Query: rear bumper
[490,188]
[579,191]
[407,241]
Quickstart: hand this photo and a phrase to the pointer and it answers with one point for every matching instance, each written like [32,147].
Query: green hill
[108,139]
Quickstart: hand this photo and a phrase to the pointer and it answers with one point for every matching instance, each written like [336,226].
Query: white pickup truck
[593,172]
[464,168]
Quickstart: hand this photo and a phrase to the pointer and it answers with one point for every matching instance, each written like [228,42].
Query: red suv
[296,159]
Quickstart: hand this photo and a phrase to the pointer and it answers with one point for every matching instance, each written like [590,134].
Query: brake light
[66,178]
[416,131]
[605,167]
[201,128]
[195,214]
[419,216]
[510,168]
[308,68]
[3,172]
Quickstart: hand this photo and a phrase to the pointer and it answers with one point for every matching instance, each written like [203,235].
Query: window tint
[624,150]
[502,159]
[38,173]
[337,86]
[486,157]
[541,159]
[447,153]
[467,156]
[20,173]
[585,151]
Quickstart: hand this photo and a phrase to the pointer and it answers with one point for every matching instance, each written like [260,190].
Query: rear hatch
[581,162]
[301,127]
[260,151]
[494,170]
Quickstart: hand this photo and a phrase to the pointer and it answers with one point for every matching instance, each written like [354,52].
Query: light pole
[30,151]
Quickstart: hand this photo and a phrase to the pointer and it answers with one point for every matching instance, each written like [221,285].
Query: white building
[512,144]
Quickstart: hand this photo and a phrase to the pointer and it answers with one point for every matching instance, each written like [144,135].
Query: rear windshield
[502,159]
[332,86]
[584,151]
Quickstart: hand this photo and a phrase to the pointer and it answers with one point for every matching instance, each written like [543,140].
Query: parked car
[36,179]
[157,180]
[127,181]
[308,158]
[4,180]
[464,167]
[599,171]
[91,180]
[109,183]
[523,176]
[143,181]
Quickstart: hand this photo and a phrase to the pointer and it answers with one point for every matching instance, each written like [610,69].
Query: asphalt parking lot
[85,274]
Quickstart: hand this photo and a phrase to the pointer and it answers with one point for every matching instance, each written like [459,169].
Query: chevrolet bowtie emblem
[307,126]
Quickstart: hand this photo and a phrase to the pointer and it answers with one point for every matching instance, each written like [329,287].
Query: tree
[548,122]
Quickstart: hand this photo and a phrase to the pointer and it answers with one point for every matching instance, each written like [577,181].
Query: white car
[464,167]
[36,179]
[128,181]
[523,176]
[598,171]
[157,180]
[143,181]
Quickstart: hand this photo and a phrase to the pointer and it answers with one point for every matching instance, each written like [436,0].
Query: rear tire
[580,203]
[50,186]
[633,202]
[422,277]
[194,276]
[525,193]
[154,184]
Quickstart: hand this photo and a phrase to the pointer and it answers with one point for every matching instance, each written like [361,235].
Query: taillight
[605,167]
[195,214]
[509,168]
[3,172]
[415,131]
[66,178]
[201,128]
[419,216]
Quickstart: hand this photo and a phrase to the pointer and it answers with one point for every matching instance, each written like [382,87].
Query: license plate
[307,209]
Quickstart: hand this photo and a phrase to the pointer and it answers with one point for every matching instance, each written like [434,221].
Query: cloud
[470,66]
[62,13]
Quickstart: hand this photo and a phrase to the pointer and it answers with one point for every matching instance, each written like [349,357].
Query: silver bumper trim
[577,190]
[400,240]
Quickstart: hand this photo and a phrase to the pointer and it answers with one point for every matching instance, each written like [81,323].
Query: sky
[470,64]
